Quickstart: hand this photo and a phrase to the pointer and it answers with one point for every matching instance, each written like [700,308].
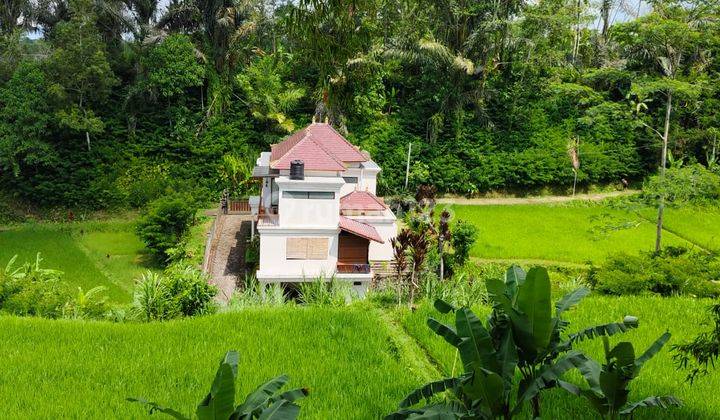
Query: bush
[464,235]
[688,184]
[30,290]
[672,271]
[165,223]
[181,291]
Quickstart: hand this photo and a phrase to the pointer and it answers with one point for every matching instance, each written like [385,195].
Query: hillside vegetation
[112,104]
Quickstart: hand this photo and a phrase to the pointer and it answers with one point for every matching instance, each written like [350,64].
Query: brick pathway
[228,254]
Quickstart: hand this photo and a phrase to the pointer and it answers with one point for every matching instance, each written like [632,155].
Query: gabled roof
[360,229]
[361,200]
[324,136]
[312,154]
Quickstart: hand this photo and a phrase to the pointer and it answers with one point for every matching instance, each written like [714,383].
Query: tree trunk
[412,287]
[535,405]
[87,140]
[442,260]
[663,162]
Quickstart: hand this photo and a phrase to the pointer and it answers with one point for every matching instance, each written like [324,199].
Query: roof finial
[313,119]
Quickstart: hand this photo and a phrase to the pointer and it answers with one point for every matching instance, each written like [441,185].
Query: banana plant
[608,385]
[219,404]
[523,301]
[490,358]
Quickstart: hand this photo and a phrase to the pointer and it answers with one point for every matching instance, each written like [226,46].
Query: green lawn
[90,254]
[681,316]
[76,369]
[699,225]
[564,233]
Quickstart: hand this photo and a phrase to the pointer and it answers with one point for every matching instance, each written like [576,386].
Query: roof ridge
[345,140]
[329,153]
[306,136]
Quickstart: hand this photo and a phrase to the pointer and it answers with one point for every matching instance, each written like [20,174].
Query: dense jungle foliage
[113,103]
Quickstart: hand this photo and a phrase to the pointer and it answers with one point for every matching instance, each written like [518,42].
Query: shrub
[673,271]
[703,352]
[180,291]
[165,223]
[32,290]
[686,184]
[91,304]
[464,235]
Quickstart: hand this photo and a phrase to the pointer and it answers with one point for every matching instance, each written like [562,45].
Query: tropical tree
[400,245]
[419,245]
[608,385]
[236,171]
[520,335]
[670,38]
[329,36]
[14,14]
[80,71]
[219,404]
[266,92]
[523,300]
[443,236]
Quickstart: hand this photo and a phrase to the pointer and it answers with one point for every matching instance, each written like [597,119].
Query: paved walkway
[227,254]
[543,199]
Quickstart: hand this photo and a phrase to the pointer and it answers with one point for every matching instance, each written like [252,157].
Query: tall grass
[80,369]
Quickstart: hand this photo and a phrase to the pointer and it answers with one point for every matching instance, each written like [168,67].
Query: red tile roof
[361,200]
[326,137]
[360,229]
[312,154]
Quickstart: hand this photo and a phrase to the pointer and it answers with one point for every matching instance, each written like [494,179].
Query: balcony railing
[344,268]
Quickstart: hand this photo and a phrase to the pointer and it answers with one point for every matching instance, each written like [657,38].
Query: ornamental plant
[264,403]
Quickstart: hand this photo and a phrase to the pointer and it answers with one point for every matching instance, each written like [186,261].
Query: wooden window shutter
[317,248]
[296,249]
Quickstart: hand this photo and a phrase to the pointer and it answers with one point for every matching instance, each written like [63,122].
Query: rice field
[560,233]
[75,369]
[89,254]
[683,317]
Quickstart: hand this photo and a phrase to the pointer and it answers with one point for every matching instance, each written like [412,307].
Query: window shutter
[306,249]
[317,248]
[296,249]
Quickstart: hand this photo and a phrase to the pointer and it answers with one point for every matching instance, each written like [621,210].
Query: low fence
[238,206]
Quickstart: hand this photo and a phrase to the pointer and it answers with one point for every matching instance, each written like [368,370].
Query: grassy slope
[699,225]
[87,369]
[681,316]
[556,232]
[89,253]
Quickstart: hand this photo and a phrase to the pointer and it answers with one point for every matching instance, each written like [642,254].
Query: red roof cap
[360,229]
[326,137]
[361,200]
[313,156]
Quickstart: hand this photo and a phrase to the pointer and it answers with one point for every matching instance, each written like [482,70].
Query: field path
[227,253]
[546,199]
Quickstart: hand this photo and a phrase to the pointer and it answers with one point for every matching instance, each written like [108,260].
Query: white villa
[318,214]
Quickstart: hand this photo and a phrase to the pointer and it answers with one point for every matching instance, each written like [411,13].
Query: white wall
[273,261]
[301,212]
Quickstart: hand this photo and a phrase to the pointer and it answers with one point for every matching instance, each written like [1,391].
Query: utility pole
[407,166]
